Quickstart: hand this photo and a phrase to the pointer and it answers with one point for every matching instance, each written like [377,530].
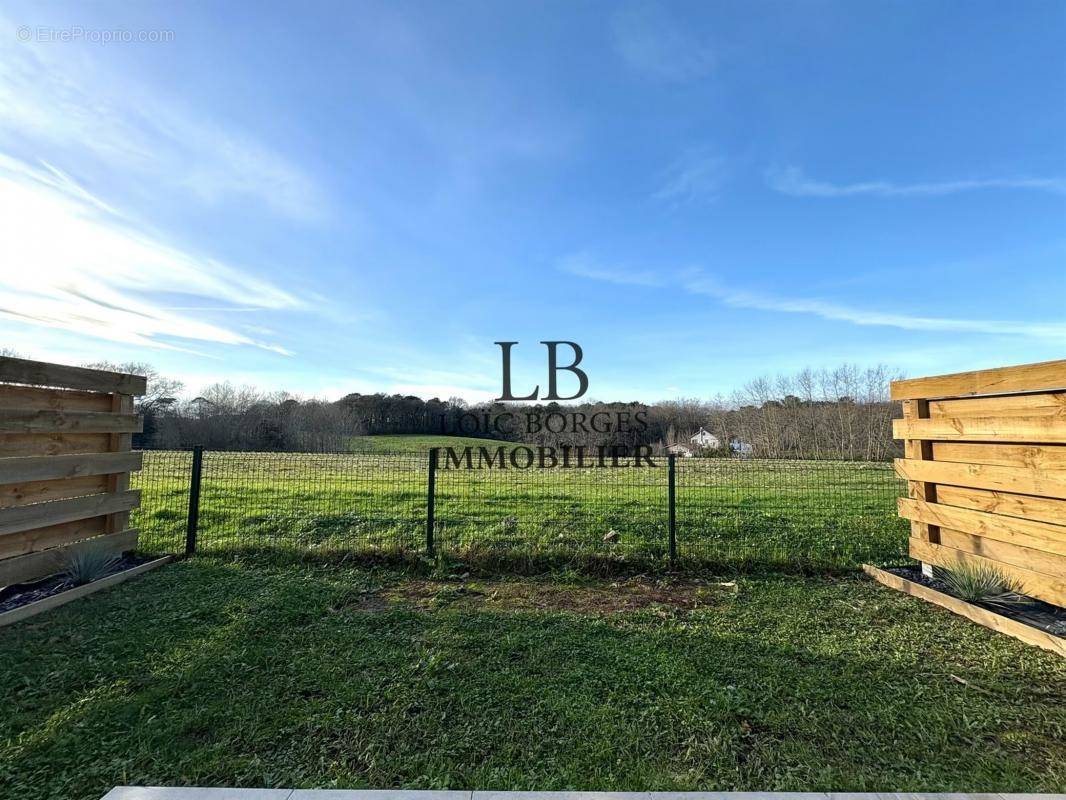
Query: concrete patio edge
[219,793]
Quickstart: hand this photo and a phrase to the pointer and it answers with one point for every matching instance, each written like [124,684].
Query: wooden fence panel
[65,460]
[986,470]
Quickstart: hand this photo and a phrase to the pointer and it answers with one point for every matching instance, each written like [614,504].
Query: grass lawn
[256,673]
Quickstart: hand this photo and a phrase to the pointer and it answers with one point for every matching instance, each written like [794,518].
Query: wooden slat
[1041,509]
[19,420]
[120,482]
[21,494]
[1045,376]
[1019,480]
[1043,457]
[982,429]
[1035,584]
[38,444]
[47,562]
[54,399]
[982,616]
[39,468]
[24,518]
[1015,405]
[1022,557]
[40,373]
[14,544]
[1022,532]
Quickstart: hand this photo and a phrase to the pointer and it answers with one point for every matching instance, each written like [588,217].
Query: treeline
[841,413]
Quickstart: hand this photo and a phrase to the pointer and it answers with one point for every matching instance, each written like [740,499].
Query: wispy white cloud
[697,282]
[697,175]
[793,181]
[51,98]
[654,44]
[740,298]
[584,265]
[70,261]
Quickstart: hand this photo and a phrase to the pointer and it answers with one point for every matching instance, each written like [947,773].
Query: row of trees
[839,413]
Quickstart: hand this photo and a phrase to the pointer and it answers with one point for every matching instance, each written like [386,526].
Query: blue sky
[336,197]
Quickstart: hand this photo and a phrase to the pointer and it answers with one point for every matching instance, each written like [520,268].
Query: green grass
[735,513]
[212,672]
[416,443]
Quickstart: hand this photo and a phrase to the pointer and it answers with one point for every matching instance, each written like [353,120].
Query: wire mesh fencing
[164,481]
[743,512]
[781,512]
[578,511]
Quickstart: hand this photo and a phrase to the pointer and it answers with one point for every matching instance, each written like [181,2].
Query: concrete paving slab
[648,796]
[177,793]
[379,794]
[194,793]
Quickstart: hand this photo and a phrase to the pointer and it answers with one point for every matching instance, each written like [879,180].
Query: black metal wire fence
[742,512]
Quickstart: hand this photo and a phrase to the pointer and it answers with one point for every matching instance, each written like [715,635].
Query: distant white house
[705,439]
[682,450]
[741,449]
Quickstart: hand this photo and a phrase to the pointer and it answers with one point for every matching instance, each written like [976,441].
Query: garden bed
[1035,613]
[1031,621]
[22,600]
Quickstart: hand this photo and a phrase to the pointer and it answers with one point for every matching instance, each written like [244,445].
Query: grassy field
[415,443]
[249,673]
[732,512]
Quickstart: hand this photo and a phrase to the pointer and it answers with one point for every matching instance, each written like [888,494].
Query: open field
[416,443]
[248,672]
[741,513]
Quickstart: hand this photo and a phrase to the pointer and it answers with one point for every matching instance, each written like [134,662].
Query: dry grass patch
[615,597]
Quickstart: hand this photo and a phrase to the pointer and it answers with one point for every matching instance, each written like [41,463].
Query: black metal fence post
[193,521]
[431,497]
[671,494]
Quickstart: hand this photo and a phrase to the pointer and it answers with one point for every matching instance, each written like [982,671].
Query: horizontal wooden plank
[1048,588]
[1044,376]
[982,616]
[38,468]
[31,541]
[1019,480]
[1041,509]
[32,566]
[21,494]
[1032,456]
[20,420]
[41,373]
[1042,430]
[53,444]
[12,396]
[1010,405]
[1022,557]
[24,518]
[1022,532]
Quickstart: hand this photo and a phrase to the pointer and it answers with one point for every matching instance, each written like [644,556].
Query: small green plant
[88,565]
[982,584]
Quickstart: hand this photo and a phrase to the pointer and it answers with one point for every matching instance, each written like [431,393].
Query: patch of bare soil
[607,598]
[367,602]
